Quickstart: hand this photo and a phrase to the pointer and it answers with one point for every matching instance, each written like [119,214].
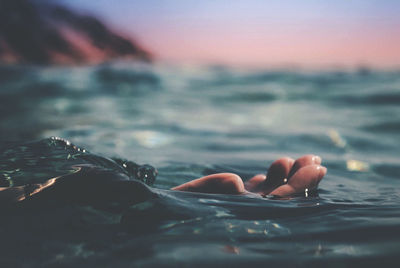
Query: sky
[307,33]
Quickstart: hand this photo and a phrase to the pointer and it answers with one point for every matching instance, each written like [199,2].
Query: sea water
[189,121]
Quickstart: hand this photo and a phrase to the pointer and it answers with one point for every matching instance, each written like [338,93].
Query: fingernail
[316,159]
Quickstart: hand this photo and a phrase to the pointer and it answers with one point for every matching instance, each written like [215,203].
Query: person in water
[92,185]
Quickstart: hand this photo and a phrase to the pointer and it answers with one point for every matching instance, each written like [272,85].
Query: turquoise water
[188,121]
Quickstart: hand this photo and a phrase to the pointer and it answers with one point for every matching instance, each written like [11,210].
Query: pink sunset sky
[309,33]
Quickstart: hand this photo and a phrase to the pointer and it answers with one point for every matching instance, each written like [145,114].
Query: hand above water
[285,177]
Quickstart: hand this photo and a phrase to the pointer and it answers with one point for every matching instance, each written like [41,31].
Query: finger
[279,170]
[277,175]
[307,177]
[303,161]
[254,183]
[221,183]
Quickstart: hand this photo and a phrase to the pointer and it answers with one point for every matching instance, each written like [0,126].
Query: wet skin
[91,185]
[285,177]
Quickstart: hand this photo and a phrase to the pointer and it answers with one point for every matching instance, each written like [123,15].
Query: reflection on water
[193,121]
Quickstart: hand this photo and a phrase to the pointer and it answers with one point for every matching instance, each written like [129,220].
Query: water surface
[189,121]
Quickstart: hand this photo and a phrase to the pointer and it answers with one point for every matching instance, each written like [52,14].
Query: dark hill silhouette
[44,32]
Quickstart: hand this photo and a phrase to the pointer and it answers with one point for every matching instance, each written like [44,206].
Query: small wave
[374,99]
[387,170]
[384,127]
[113,75]
[248,97]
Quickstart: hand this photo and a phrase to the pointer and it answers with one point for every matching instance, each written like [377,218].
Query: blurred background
[153,78]
[273,33]
[202,81]
[311,33]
